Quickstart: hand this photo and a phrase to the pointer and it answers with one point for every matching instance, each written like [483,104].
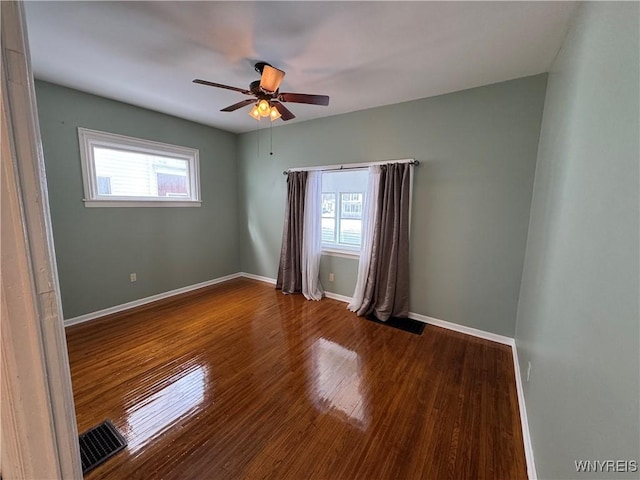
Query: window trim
[88,139]
[344,252]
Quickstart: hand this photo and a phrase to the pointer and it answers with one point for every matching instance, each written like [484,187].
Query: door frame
[39,431]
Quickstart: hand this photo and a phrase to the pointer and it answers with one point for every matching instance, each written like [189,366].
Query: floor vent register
[99,444]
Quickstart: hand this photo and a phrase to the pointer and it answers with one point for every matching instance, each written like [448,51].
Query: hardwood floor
[240,381]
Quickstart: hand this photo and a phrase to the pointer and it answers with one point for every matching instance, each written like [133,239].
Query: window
[343,196]
[119,171]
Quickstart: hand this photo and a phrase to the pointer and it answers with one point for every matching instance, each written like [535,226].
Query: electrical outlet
[133,277]
[332,277]
[528,371]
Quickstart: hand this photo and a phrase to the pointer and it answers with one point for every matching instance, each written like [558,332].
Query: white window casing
[163,159]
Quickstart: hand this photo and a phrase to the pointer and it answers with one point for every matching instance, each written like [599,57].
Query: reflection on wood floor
[240,381]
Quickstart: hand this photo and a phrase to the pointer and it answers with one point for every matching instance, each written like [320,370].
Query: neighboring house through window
[343,196]
[125,171]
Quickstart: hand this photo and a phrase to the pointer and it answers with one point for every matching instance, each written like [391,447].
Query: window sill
[141,203]
[337,252]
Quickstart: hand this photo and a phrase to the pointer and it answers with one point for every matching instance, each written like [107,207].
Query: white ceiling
[361,54]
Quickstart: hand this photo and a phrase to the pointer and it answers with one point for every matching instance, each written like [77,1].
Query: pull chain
[258,137]
[271,135]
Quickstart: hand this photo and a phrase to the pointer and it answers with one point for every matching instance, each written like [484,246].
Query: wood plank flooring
[238,381]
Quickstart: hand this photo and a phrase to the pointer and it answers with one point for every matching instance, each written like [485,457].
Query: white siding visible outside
[125,171]
[136,174]
[343,196]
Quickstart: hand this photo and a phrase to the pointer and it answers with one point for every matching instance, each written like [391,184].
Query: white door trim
[39,432]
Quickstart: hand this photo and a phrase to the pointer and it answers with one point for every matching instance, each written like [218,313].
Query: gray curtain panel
[386,292]
[290,271]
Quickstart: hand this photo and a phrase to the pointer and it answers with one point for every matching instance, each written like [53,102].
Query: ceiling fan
[267,96]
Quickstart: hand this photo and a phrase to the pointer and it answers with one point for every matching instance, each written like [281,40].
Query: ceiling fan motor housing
[260,93]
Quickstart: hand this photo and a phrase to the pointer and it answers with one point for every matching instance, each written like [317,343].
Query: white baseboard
[260,278]
[524,422]
[474,332]
[143,301]
[272,281]
[337,296]
[456,327]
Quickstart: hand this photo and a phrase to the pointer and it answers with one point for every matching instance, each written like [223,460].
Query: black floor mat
[99,444]
[406,324]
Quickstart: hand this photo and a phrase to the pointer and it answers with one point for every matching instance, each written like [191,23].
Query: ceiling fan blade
[236,106]
[304,98]
[219,85]
[284,111]
[271,78]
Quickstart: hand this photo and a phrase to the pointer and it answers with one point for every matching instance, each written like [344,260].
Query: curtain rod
[350,166]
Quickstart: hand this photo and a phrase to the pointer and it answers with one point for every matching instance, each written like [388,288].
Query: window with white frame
[343,196]
[120,171]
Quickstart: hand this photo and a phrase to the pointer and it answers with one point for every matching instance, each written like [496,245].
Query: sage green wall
[578,319]
[471,200]
[168,248]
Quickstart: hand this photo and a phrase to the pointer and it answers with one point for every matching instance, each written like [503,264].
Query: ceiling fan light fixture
[274,114]
[268,101]
[255,113]
[264,108]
